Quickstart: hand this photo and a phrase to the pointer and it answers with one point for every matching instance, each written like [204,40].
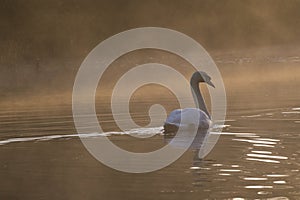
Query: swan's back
[173,122]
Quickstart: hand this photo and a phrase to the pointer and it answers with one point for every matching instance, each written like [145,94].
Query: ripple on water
[141,131]
[217,165]
[266,156]
[290,112]
[263,145]
[258,153]
[278,198]
[251,116]
[255,179]
[279,182]
[230,170]
[276,175]
[255,141]
[262,152]
[224,174]
[268,139]
[264,192]
[263,160]
[259,187]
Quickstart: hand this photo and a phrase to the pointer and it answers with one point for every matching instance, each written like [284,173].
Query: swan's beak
[210,83]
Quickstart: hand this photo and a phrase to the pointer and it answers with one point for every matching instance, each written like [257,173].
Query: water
[256,157]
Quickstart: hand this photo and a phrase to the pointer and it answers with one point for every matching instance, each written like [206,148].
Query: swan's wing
[204,120]
[174,118]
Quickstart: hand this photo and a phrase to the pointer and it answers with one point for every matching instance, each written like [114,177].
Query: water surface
[256,157]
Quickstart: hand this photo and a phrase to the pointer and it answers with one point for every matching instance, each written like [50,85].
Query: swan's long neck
[198,99]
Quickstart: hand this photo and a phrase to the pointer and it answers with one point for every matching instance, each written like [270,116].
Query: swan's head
[201,76]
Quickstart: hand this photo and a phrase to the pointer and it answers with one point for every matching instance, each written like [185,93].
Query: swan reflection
[183,141]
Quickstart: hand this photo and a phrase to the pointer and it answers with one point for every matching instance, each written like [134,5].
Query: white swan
[173,120]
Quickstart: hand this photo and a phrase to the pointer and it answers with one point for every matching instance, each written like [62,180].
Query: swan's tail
[170,128]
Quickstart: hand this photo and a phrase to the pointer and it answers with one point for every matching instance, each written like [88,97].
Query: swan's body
[173,122]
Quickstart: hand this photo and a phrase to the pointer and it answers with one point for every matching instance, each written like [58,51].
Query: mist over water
[255,45]
[44,43]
